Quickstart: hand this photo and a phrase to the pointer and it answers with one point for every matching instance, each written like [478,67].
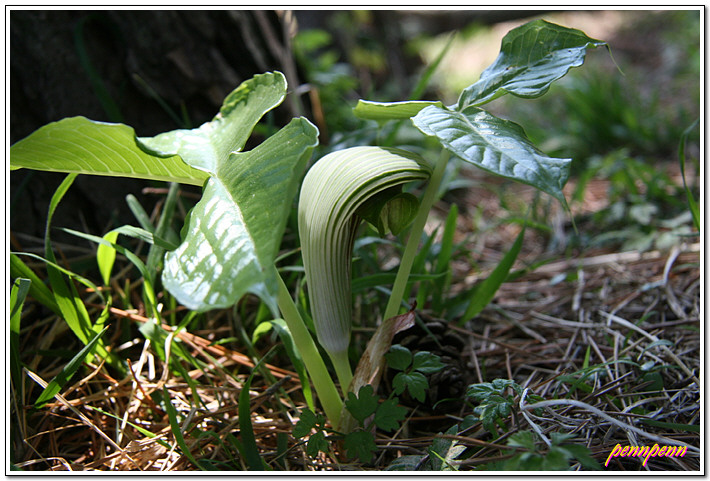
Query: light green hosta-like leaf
[82,146]
[333,190]
[235,230]
[495,145]
[531,57]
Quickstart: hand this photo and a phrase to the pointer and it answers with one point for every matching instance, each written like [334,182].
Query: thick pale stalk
[326,390]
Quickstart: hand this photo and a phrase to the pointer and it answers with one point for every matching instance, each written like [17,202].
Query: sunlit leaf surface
[235,230]
[83,146]
[210,144]
[495,145]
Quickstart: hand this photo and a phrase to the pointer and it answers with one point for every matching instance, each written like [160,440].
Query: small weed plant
[369,411]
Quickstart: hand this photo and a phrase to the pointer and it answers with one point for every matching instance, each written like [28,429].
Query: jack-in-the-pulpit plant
[234,233]
[531,58]
[339,191]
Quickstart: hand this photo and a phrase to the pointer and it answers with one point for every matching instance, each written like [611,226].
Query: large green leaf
[235,230]
[531,57]
[83,146]
[495,145]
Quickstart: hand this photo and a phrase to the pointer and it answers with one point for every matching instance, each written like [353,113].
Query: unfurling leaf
[366,109]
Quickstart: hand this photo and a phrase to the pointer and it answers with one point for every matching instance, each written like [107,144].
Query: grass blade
[141,430]
[693,428]
[424,80]
[281,328]
[443,261]
[106,256]
[38,291]
[692,203]
[419,266]
[175,428]
[145,236]
[20,288]
[68,371]
[148,286]
[139,213]
[101,91]
[156,252]
[246,431]
[65,295]
[382,279]
[83,280]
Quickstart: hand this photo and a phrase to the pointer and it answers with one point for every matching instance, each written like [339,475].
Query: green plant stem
[341,363]
[327,392]
[410,251]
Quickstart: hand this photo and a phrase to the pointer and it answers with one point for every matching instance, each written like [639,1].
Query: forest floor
[611,332]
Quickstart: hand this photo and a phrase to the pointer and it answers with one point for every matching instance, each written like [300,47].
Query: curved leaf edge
[193,176]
